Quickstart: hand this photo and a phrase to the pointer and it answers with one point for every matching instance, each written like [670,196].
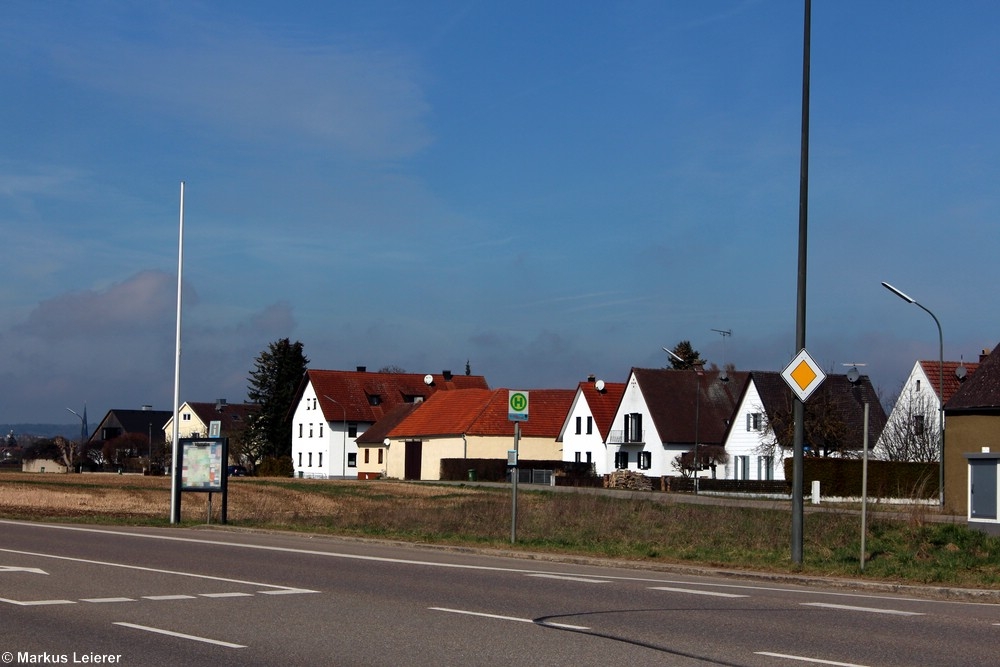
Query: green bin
[472,474]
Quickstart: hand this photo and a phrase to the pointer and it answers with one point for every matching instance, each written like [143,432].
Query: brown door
[411,466]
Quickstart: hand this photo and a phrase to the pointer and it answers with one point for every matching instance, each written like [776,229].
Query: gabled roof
[684,403]
[933,370]
[234,416]
[837,393]
[982,390]
[132,421]
[484,413]
[603,403]
[361,396]
[379,431]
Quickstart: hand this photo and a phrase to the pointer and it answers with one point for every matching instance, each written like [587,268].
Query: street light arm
[902,295]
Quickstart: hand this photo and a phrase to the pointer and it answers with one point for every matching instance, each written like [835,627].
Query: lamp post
[909,299]
[697,420]
[345,430]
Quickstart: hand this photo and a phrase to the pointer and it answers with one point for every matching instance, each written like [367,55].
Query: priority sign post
[517,412]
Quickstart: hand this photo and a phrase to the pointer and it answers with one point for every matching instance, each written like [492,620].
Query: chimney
[147,408]
[362,369]
[591,377]
[447,375]
[985,353]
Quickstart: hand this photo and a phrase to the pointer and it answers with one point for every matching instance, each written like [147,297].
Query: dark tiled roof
[603,404]
[132,421]
[354,390]
[675,396]
[837,395]
[378,431]
[233,416]
[982,390]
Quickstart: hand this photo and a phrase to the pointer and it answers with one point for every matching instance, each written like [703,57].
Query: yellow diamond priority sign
[803,375]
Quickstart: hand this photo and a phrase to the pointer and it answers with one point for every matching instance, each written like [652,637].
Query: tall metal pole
[513,485]
[864,492]
[905,297]
[800,310]
[175,505]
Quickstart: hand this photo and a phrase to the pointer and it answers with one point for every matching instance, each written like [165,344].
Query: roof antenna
[725,333]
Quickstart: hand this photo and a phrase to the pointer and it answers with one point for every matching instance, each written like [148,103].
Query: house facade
[914,422]
[474,424]
[585,431]
[663,413]
[333,408]
[972,423]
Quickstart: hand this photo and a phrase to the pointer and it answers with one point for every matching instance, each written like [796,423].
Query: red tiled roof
[484,412]
[603,404]
[933,369]
[352,391]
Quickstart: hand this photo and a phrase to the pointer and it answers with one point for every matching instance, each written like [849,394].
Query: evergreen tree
[685,351]
[272,383]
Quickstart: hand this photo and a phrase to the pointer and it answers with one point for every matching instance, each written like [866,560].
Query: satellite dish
[853,375]
[961,372]
[428,379]
[599,385]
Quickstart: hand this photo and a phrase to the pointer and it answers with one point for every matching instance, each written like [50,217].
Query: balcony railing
[618,438]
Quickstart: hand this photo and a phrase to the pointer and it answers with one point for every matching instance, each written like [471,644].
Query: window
[314,404]
[300,459]
[621,460]
[753,421]
[577,458]
[352,430]
[321,430]
[310,459]
[645,460]
[186,417]
[310,430]
[742,470]
[380,455]
[918,424]
[590,425]
[588,458]
[352,460]
[367,453]
[765,467]
[579,425]
[300,430]
[320,464]
[374,399]
[633,427]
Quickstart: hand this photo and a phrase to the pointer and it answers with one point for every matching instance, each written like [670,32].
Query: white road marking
[11,568]
[507,618]
[693,591]
[569,578]
[815,661]
[168,597]
[181,635]
[872,610]
[226,595]
[287,591]
[99,600]
[35,603]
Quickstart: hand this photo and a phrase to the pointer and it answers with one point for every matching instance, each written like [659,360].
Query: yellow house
[469,423]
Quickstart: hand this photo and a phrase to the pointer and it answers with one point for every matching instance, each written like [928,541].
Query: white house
[332,408]
[759,438]
[665,413]
[915,417]
[585,431]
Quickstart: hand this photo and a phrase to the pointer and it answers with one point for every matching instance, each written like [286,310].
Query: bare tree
[911,433]
[709,456]
[825,429]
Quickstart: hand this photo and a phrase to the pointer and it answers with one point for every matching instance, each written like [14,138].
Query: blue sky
[545,189]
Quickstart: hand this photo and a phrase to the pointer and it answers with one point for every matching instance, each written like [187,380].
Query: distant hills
[68,431]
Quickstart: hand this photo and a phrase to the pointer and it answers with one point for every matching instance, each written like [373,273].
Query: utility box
[984,492]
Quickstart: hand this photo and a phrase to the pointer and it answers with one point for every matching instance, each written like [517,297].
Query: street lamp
[345,430]
[909,299]
[697,402]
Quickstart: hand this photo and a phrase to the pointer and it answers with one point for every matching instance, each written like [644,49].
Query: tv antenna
[725,333]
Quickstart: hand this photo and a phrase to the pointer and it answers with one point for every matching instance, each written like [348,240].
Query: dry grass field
[903,549]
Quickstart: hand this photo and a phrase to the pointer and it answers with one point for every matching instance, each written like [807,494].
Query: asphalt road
[80,595]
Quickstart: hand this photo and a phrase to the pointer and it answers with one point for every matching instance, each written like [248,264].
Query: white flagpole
[175,505]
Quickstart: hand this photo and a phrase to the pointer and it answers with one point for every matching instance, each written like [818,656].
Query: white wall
[747,443]
[321,448]
[584,443]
